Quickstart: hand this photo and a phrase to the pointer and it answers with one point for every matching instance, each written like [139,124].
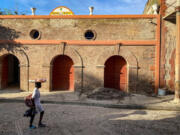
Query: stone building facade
[168,41]
[80,52]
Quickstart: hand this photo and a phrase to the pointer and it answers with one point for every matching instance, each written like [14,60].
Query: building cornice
[74,16]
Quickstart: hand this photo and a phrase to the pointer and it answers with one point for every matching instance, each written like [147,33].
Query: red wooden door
[4,72]
[115,73]
[63,73]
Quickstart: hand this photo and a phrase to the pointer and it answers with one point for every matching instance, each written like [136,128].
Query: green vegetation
[10,12]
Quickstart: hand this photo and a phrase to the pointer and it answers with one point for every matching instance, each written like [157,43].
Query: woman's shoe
[32,127]
[42,125]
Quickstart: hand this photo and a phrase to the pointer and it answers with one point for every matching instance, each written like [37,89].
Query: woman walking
[38,106]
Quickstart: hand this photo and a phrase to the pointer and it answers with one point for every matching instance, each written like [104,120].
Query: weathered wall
[171,4]
[74,29]
[168,43]
[89,60]
[140,60]
[148,8]
[168,46]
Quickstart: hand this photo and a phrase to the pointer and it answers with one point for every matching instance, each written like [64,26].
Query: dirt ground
[86,120]
[119,98]
[73,119]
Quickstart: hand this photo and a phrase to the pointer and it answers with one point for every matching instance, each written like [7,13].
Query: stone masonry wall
[169,44]
[140,60]
[74,29]
[89,60]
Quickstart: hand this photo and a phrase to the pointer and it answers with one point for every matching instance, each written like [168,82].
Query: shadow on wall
[10,65]
[91,82]
[140,85]
[10,35]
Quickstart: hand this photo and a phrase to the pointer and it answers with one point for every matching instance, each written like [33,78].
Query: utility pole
[177,61]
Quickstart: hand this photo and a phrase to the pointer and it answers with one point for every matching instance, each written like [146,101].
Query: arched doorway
[10,77]
[62,73]
[115,73]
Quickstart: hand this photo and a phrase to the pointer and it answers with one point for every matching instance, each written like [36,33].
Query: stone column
[177,61]
[132,78]
[47,74]
[78,78]
[24,77]
[100,71]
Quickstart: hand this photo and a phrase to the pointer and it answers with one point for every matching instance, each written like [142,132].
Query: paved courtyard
[88,120]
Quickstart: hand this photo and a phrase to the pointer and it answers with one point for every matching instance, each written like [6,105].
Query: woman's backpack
[29,101]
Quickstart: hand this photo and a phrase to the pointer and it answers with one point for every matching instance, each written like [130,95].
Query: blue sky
[79,7]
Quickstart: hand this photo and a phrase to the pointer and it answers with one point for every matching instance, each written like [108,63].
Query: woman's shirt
[36,96]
